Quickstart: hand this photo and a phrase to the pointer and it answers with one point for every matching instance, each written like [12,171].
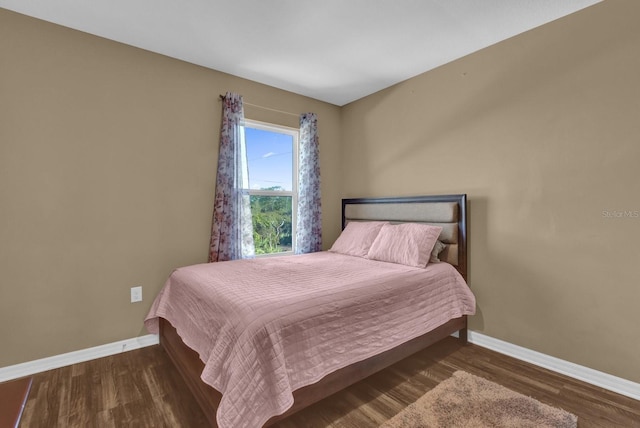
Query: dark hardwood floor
[141,389]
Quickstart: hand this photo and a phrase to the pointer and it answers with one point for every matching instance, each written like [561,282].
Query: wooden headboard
[446,211]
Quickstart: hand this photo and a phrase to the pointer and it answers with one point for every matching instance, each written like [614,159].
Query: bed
[295,347]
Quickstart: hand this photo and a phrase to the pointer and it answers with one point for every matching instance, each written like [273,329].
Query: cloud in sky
[268,155]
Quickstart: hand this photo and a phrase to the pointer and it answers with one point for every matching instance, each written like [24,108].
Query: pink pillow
[357,237]
[407,244]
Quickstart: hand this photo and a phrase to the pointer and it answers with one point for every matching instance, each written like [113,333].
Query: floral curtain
[309,223]
[232,230]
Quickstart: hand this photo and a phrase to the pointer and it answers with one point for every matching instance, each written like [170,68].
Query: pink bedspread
[268,326]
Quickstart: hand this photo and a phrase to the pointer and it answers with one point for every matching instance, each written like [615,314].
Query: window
[272,161]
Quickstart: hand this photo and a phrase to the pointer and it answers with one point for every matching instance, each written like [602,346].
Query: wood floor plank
[141,388]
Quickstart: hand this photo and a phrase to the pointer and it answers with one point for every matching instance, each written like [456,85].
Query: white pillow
[437,249]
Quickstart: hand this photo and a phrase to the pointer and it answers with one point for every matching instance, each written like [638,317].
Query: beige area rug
[469,401]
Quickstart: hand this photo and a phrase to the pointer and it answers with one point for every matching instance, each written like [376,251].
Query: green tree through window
[272,223]
[271,153]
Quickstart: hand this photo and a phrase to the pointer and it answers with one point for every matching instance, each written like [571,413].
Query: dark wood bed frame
[190,366]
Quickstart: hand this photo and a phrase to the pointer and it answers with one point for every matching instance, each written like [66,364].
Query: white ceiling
[332,50]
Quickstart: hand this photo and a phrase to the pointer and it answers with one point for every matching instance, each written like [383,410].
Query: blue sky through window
[270,158]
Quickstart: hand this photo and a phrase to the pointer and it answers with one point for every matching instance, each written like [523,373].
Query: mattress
[268,326]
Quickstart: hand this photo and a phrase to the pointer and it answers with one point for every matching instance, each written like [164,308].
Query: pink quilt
[268,326]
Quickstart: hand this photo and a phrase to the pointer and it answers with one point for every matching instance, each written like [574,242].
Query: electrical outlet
[136,294]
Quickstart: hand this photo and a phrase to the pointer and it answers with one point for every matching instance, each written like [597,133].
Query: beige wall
[107,174]
[542,132]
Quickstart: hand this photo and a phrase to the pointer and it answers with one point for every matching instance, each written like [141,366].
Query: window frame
[295,134]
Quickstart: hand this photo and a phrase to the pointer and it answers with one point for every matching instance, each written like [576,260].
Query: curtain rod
[222,97]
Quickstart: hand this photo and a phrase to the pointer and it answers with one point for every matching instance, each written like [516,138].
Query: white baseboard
[585,374]
[62,360]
